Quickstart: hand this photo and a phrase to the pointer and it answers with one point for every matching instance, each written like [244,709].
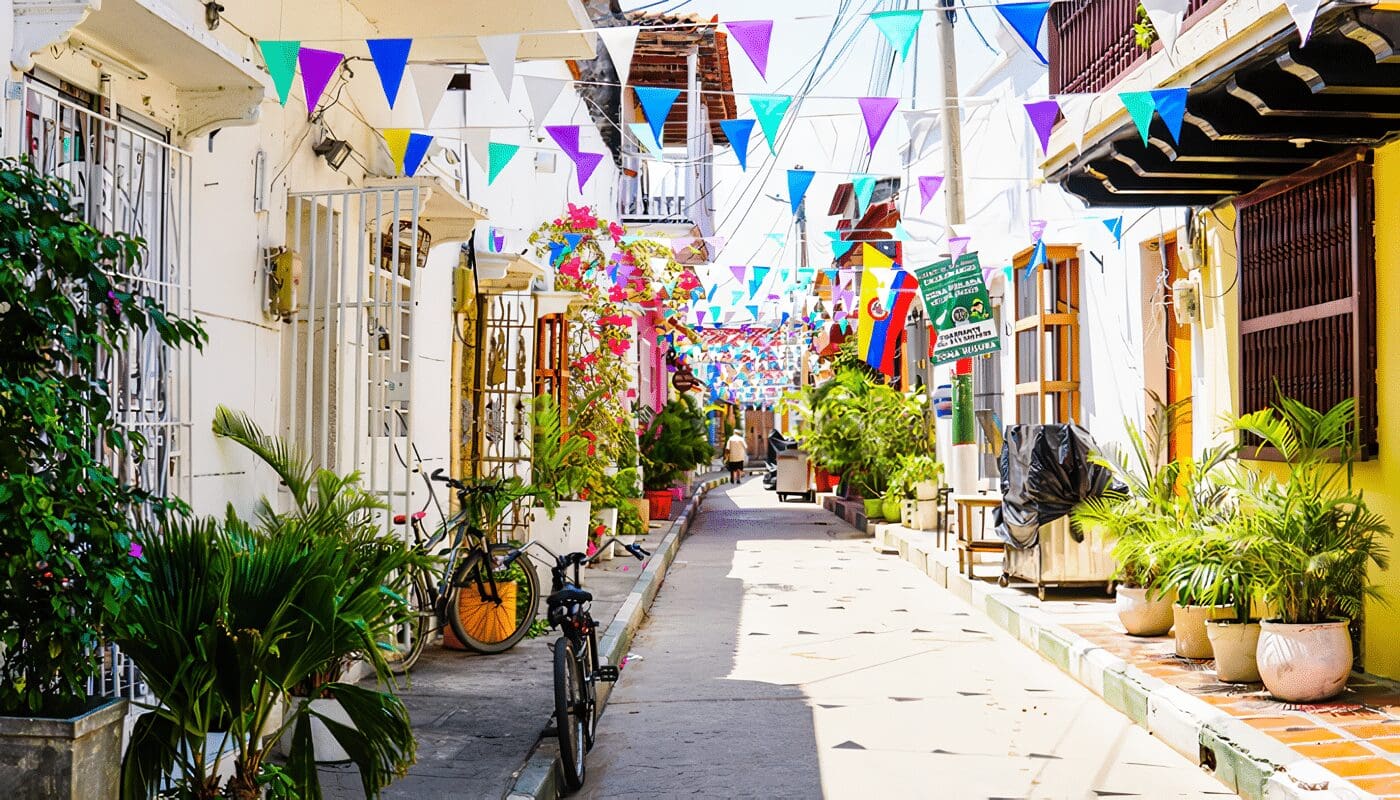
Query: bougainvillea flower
[688,281]
[619,346]
[617,294]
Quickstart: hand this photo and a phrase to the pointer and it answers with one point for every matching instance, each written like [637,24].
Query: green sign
[955,297]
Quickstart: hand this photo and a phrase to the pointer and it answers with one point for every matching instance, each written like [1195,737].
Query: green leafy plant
[1144,33]
[912,471]
[560,460]
[69,526]
[672,441]
[1314,535]
[861,429]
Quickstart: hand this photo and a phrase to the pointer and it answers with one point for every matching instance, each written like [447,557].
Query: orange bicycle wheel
[495,624]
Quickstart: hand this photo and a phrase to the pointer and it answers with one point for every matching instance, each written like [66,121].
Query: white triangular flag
[642,131]
[543,92]
[1304,13]
[479,145]
[1166,17]
[430,85]
[621,42]
[1076,109]
[500,55]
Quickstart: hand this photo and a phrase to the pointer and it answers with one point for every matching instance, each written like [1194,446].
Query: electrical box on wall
[284,272]
[1186,301]
[463,289]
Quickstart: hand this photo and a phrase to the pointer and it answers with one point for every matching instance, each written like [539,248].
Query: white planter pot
[1142,612]
[1234,645]
[926,490]
[1190,625]
[323,744]
[1304,663]
[925,515]
[908,509]
[578,511]
[565,531]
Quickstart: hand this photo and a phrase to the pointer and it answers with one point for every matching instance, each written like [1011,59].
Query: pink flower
[619,346]
[617,294]
[136,550]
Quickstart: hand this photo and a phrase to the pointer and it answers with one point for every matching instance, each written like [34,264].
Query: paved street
[785,659]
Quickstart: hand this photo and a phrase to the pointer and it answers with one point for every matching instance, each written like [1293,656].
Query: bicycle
[489,604]
[576,668]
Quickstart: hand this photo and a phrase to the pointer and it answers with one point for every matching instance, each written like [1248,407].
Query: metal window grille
[1092,42]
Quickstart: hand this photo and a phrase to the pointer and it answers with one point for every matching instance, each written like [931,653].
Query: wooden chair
[971,542]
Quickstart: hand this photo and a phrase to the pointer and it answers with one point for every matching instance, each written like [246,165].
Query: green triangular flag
[899,28]
[1140,107]
[281,60]
[500,155]
[770,110]
[864,186]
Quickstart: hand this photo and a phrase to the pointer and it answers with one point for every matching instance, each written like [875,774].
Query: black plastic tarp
[777,443]
[1045,472]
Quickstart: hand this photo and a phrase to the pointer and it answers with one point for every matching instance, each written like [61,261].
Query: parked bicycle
[577,670]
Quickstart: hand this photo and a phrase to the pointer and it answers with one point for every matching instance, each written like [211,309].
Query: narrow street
[784,658]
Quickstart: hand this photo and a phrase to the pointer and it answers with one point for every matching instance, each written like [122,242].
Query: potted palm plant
[1218,572]
[559,472]
[671,441]
[1316,539]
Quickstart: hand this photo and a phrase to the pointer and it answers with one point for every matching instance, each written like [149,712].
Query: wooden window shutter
[1307,291]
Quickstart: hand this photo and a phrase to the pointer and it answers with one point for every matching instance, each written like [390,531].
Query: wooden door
[1178,361]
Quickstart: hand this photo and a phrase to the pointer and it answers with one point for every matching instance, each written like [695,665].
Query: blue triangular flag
[390,56]
[414,153]
[798,181]
[656,103]
[1027,20]
[1171,107]
[864,186]
[1038,257]
[756,277]
[738,131]
[1115,227]
[556,252]
[572,239]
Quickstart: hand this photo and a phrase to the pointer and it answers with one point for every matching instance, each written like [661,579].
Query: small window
[1047,337]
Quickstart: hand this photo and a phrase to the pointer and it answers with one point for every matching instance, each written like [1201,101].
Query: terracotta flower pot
[1190,625]
[1234,644]
[659,501]
[1142,611]
[1304,663]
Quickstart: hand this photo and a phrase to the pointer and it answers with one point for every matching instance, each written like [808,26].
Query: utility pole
[962,472]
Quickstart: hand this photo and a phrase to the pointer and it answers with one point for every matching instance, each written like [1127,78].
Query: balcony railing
[1092,43]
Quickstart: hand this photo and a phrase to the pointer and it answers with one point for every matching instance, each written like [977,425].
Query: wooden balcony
[1092,43]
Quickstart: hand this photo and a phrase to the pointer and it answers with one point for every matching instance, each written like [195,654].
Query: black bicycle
[576,668]
[483,596]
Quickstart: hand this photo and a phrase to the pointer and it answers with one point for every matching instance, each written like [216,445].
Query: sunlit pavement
[783,659]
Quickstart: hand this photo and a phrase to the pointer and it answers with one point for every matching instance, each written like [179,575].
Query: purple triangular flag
[739,273]
[928,187]
[876,111]
[1043,115]
[584,164]
[317,69]
[567,137]
[754,37]
[957,245]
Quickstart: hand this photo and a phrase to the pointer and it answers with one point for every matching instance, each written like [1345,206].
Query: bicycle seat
[570,595]
[400,519]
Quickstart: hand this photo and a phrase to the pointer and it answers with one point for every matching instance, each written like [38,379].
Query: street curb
[539,777]
[1248,761]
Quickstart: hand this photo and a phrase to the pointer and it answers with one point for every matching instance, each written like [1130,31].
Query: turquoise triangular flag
[899,28]
[757,275]
[416,151]
[1140,107]
[900,234]
[738,131]
[1115,227]
[390,56]
[864,186]
[656,104]
[281,60]
[500,155]
[1171,107]
[798,181]
[770,110]
[1027,20]
[839,247]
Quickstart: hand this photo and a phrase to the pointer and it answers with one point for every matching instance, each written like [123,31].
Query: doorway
[1178,358]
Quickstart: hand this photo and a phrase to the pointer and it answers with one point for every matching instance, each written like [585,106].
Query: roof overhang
[499,273]
[1271,109]
[446,214]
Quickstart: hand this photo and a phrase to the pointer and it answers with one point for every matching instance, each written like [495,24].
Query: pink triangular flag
[957,245]
[584,164]
[317,69]
[567,137]
[754,37]
[877,111]
[1043,115]
[928,187]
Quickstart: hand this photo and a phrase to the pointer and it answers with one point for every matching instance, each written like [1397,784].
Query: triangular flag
[567,137]
[1027,20]
[1115,227]
[798,181]
[584,164]
[1037,228]
[770,110]
[430,81]
[281,60]
[1304,13]
[864,187]
[1171,107]
[1140,107]
[872,256]
[957,245]
[1038,257]
[501,154]
[1166,17]
[390,56]
[621,43]
[556,252]
[397,140]
[478,141]
[500,53]
[656,103]
[414,152]
[876,111]
[542,92]
[738,131]
[739,272]
[839,247]
[753,37]
[317,69]
[571,240]
[900,234]
[928,187]
[645,135]
[1043,115]
[899,28]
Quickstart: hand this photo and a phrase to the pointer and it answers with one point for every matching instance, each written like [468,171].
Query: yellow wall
[1379,479]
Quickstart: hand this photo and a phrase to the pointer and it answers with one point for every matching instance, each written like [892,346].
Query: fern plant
[559,459]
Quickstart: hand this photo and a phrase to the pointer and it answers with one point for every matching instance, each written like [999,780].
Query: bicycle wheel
[411,637]
[494,625]
[570,708]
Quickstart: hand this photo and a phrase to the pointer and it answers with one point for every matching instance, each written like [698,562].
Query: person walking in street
[736,453]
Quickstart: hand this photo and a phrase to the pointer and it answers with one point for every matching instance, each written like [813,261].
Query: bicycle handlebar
[570,559]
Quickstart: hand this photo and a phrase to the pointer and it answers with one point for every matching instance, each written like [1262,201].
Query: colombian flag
[886,293]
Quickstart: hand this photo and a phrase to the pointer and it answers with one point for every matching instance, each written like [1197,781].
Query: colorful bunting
[876,111]
[584,165]
[656,103]
[500,154]
[839,247]
[647,137]
[899,28]
[770,110]
[621,43]
[957,245]
[1039,257]
[415,152]
[1166,17]
[567,137]
[397,140]
[1115,227]
[754,37]
[542,93]
[281,60]
[737,131]
[390,56]
[798,181]
[1140,107]
[1027,20]
[500,54]
[1043,115]
[928,186]
[1304,13]
[864,188]
[1037,228]
[430,82]
[1171,107]
[317,69]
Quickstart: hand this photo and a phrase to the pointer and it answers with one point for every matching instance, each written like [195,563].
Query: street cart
[795,476]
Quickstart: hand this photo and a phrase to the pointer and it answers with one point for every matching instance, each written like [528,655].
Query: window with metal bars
[1307,291]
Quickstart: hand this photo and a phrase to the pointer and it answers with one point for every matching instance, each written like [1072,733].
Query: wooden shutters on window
[1307,292]
[1047,337]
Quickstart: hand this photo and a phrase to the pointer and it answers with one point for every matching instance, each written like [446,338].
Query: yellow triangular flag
[397,139]
[874,258]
